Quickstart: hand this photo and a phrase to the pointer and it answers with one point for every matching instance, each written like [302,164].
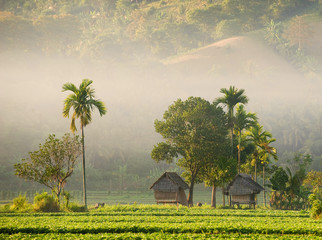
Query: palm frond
[85,83]
[69,87]
[68,104]
[99,105]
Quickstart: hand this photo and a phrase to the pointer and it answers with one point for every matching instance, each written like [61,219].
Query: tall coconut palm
[83,103]
[231,98]
[257,135]
[263,150]
[243,121]
[266,152]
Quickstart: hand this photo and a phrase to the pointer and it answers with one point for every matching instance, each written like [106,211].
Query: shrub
[74,207]
[5,208]
[20,204]
[316,206]
[45,203]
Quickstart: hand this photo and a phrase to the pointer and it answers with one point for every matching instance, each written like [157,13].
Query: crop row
[156,222]
[152,236]
[180,224]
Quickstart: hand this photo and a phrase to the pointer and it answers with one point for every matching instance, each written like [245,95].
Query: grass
[202,195]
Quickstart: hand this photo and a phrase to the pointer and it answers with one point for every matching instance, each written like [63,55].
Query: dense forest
[134,29]
[132,51]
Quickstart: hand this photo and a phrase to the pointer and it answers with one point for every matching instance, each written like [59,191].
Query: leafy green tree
[291,183]
[82,101]
[273,33]
[314,180]
[52,164]
[243,121]
[278,183]
[219,171]
[192,130]
[231,98]
[297,194]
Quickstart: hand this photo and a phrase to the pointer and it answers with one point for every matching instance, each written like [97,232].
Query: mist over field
[137,90]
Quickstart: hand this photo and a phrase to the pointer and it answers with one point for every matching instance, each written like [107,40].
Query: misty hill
[142,57]
[249,64]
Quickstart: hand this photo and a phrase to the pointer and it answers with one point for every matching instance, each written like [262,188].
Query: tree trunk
[255,170]
[223,196]
[281,198]
[84,177]
[190,196]
[213,196]
[232,140]
[239,153]
[264,194]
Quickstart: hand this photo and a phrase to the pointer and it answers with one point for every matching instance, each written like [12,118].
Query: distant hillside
[314,47]
[126,29]
[244,62]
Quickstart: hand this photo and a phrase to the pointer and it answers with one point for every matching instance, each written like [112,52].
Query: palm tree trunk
[239,153]
[232,140]
[213,196]
[264,194]
[84,177]
[255,170]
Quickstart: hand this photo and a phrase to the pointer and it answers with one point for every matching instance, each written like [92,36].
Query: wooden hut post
[177,199]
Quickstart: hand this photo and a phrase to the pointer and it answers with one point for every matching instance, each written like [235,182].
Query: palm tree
[257,136]
[265,153]
[82,101]
[243,121]
[231,98]
[262,140]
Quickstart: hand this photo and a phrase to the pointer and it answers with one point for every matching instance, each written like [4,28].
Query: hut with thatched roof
[242,190]
[169,189]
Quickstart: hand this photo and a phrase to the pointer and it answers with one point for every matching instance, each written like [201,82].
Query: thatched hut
[169,188]
[242,190]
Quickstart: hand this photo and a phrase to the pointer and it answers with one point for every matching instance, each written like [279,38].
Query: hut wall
[165,195]
[243,198]
[182,197]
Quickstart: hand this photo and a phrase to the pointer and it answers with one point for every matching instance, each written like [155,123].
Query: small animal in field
[97,205]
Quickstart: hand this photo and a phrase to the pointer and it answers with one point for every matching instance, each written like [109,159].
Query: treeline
[117,28]
[211,146]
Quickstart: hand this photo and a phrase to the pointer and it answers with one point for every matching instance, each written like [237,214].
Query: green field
[201,194]
[161,222]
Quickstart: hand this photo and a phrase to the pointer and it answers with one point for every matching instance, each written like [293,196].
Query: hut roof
[243,184]
[169,181]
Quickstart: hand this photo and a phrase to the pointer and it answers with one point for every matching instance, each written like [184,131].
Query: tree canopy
[195,131]
[52,164]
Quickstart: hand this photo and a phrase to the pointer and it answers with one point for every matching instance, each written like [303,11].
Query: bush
[45,203]
[316,206]
[20,204]
[5,208]
[74,207]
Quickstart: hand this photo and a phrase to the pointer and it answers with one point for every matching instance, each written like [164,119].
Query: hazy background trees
[143,56]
